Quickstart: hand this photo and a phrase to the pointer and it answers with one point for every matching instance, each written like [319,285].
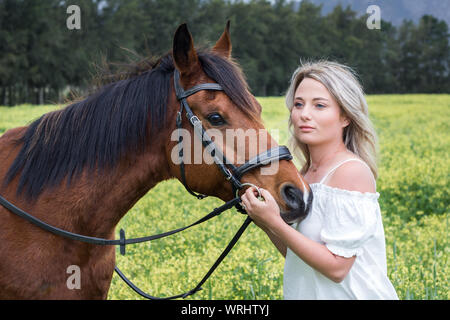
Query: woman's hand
[265,213]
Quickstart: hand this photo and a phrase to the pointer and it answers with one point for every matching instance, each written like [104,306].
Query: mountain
[394,11]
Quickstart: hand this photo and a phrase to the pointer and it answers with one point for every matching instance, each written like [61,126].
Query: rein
[230,171]
[122,242]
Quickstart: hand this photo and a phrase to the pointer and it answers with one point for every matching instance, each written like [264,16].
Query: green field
[414,140]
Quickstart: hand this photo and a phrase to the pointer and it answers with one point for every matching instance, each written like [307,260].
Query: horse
[81,168]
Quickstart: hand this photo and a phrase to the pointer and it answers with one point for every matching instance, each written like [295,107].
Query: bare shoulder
[353,176]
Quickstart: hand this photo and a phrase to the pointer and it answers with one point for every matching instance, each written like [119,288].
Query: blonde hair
[359,136]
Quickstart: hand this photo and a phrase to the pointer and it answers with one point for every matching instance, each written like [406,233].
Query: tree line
[42,59]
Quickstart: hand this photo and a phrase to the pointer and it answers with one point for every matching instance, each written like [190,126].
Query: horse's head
[231,116]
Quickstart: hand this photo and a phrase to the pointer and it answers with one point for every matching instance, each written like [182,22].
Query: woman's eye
[320,105]
[216,119]
[298,105]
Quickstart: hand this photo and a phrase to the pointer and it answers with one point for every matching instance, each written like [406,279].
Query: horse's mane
[119,117]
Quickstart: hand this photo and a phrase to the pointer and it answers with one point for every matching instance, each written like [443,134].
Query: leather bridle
[230,171]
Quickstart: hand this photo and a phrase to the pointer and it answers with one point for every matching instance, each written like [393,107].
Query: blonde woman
[338,250]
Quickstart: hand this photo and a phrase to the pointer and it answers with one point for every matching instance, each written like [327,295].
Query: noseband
[230,171]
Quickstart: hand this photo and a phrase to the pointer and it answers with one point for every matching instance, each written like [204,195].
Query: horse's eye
[216,119]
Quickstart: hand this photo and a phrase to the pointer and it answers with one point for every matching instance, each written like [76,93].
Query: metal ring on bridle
[250,185]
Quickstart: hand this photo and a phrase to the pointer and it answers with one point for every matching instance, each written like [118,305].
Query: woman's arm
[314,254]
[266,214]
[275,240]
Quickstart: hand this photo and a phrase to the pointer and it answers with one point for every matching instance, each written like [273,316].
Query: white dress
[348,223]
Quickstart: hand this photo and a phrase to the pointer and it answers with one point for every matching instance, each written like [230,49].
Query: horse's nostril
[292,196]
[289,193]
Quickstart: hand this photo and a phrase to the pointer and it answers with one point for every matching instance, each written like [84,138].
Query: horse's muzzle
[298,203]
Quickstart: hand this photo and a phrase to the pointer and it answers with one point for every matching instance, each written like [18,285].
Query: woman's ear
[345,120]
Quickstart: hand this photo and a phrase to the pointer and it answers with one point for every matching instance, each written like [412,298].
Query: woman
[338,251]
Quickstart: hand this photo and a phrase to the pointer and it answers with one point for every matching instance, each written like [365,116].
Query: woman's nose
[305,113]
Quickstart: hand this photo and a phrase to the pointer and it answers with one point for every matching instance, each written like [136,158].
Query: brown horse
[81,168]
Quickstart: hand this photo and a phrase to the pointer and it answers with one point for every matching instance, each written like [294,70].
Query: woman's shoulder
[353,176]
[325,195]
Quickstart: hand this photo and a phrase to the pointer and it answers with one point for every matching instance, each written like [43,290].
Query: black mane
[119,118]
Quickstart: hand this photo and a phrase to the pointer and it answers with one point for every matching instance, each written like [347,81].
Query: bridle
[230,171]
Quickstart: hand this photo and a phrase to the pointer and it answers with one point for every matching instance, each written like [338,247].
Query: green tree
[40,58]
[13,49]
[434,56]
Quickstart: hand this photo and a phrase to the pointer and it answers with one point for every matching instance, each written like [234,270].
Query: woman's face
[315,107]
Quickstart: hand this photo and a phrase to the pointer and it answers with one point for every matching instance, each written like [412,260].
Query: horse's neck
[94,203]
[109,197]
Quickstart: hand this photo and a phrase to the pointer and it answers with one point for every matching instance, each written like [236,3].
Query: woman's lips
[306,129]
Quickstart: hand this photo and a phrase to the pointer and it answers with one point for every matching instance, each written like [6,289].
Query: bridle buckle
[194,120]
[229,175]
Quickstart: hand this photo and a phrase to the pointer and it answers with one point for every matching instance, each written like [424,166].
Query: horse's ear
[223,45]
[184,54]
